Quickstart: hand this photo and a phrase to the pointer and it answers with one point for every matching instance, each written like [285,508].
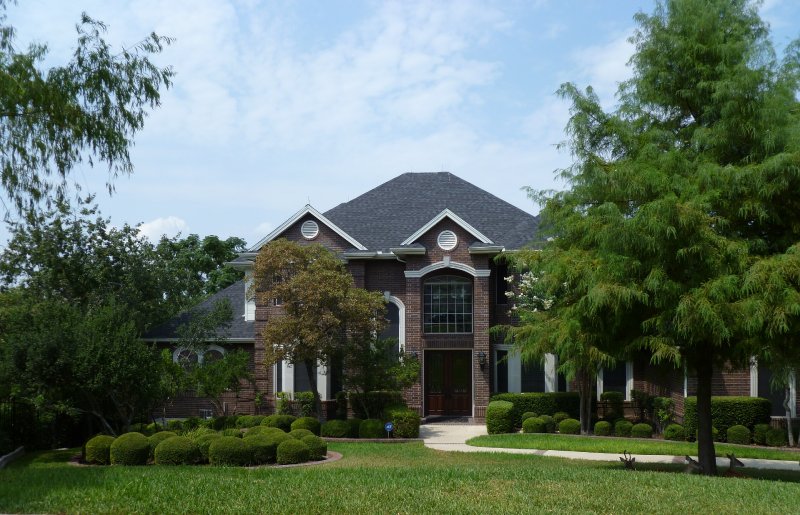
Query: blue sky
[276,104]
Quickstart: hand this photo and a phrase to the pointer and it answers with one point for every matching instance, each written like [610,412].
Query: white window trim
[249,297]
[200,353]
[792,386]
[401,314]
[514,367]
[628,381]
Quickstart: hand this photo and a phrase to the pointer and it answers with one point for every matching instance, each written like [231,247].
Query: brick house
[428,242]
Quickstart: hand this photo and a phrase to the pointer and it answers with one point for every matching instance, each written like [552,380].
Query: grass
[379,478]
[617,445]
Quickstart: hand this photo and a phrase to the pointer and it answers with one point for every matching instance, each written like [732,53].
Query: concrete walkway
[453,437]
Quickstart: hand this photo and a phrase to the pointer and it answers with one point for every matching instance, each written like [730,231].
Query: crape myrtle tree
[322,310]
[681,196]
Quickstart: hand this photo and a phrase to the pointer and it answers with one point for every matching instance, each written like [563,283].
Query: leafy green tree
[323,311]
[678,194]
[83,112]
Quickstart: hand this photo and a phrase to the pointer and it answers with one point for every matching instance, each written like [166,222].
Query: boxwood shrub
[642,430]
[280,421]
[525,416]
[614,404]
[246,421]
[98,449]
[550,422]
[569,426]
[558,416]
[317,447]
[738,434]
[354,424]
[298,434]
[602,428]
[130,449]
[232,431]
[674,432]
[623,428]
[309,423]
[175,425]
[261,448]
[152,428]
[335,429]
[157,439]
[293,451]
[229,450]
[542,403]
[177,450]
[500,417]
[534,425]
[760,434]
[776,437]
[279,437]
[727,412]
[261,430]
[203,443]
[406,422]
[371,428]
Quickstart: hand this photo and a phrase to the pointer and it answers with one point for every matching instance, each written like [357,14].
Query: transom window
[447,303]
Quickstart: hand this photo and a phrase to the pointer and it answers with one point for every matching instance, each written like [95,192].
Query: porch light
[482,359]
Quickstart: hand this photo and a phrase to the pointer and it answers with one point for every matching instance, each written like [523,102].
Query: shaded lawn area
[381,478]
[554,442]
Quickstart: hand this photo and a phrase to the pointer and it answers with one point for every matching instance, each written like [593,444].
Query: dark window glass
[301,382]
[279,376]
[614,379]
[766,391]
[502,371]
[392,329]
[447,302]
[562,383]
[501,285]
[532,377]
[335,371]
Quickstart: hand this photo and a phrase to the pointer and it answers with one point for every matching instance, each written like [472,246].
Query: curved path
[453,437]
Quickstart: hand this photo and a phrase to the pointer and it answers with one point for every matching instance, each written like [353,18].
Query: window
[532,377]
[188,358]
[301,380]
[502,371]
[447,303]
[616,379]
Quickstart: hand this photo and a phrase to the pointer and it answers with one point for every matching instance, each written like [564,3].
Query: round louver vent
[309,229]
[447,240]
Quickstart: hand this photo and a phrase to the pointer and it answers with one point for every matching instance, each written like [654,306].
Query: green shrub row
[727,412]
[549,403]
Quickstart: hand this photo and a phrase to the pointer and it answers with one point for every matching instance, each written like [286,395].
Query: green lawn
[617,445]
[381,478]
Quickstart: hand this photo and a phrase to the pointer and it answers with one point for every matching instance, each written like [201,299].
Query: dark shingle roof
[239,329]
[385,216]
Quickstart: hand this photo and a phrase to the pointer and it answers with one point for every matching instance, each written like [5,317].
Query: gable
[446,213]
[327,232]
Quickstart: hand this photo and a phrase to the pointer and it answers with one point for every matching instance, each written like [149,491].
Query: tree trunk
[585,389]
[312,380]
[705,440]
[787,397]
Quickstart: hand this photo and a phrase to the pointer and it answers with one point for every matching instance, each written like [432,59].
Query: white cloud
[170,226]
[604,66]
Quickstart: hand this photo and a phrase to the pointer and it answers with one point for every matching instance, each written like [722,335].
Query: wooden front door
[448,382]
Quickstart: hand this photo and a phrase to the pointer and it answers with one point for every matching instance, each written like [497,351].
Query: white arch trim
[200,353]
[401,308]
[447,264]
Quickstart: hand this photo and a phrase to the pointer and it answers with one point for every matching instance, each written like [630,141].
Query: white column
[288,378]
[599,383]
[753,377]
[793,393]
[550,375]
[514,372]
[628,380]
[322,381]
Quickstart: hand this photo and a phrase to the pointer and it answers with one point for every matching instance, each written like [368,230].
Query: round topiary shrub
[534,425]
[371,428]
[335,429]
[175,425]
[152,428]
[760,434]
[262,449]
[203,442]
[309,423]
[559,416]
[279,437]
[178,450]
[739,434]
[237,433]
[569,426]
[280,421]
[623,428]
[549,422]
[602,428]
[642,430]
[130,449]
[354,424]
[246,421]
[157,439]
[526,416]
[299,434]
[262,430]
[293,451]
[674,432]
[317,447]
[776,437]
[228,450]
[98,450]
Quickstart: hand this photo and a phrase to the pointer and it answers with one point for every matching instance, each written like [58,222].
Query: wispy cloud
[169,226]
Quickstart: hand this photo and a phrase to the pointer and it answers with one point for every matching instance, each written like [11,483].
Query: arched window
[189,358]
[447,305]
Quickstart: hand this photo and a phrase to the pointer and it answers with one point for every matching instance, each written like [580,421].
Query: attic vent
[447,240]
[309,229]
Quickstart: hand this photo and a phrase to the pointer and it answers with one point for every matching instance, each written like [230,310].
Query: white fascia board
[452,216]
[308,209]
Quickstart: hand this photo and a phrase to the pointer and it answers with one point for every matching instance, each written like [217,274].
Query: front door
[448,382]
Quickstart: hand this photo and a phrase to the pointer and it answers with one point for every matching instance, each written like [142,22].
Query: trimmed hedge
[615,403]
[776,437]
[674,432]
[318,448]
[232,431]
[299,434]
[98,450]
[534,425]
[293,451]
[602,428]
[569,426]
[262,449]
[727,412]
[371,428]
[542,403]
[309,423]
[261,430]
[500,417]
[229,450]
[335,429]
[353,424]
[738,434]
[279,437]
[406,422]
[550,422]
[130,449]
[623,428]
[525,416]
[246,421]
[376,402]
[204,442]
[177,450]
[157,439]
[760,434]
[280,421]
[642,430]
[558,416]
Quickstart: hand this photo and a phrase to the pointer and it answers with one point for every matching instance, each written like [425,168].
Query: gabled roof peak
[446,213]
[308,209]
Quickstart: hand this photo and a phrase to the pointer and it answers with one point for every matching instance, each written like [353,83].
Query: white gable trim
[297,216]
[438,218]
[447,264]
